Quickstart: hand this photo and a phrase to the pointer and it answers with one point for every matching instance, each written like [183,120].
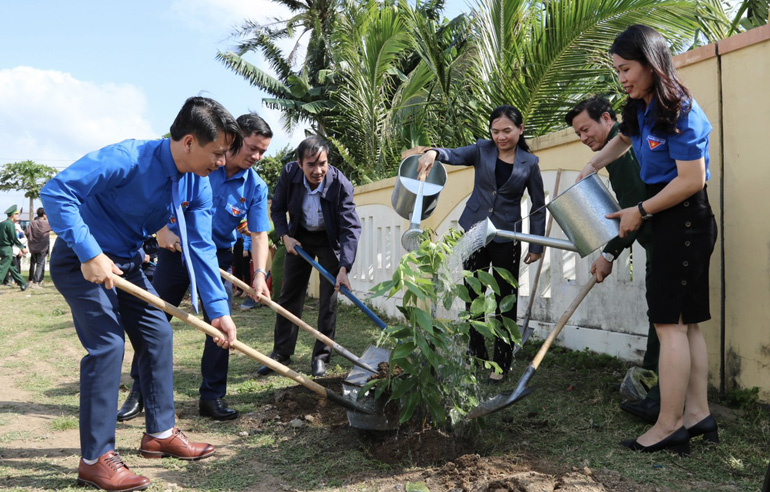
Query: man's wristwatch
[260,270]
[608,256]
[642,211]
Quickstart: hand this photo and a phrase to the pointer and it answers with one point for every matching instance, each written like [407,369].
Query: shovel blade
[501,401]
[374,417]
[372,356]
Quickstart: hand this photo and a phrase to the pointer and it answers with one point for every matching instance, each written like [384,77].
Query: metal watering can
[416,200]
[580,211]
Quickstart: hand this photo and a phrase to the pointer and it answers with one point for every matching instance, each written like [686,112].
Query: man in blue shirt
[103,207]
[322,219]
[238,193]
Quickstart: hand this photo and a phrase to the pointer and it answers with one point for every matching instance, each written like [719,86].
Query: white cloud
[214,15]
[52,118]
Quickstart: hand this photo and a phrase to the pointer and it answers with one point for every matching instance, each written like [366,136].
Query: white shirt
[312,216]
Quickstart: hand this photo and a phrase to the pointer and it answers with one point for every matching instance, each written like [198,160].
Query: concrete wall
[729,80]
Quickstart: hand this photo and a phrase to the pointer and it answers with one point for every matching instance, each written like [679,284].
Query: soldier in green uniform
[8,239]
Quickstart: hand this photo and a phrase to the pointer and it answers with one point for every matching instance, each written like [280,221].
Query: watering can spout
[581,211]
[493,232]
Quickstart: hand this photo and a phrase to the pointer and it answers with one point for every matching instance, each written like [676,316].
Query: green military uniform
[8,239]
[630,190]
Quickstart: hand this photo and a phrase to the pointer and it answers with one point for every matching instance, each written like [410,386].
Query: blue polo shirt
[242,195]
[112,199]
[657,152]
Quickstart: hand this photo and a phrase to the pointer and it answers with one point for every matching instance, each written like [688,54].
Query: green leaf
[424,320]
[475,284]
[477,306]
[506,275]
[507,302]
[402,351]
[513,329]
[409,406]
[488,279]
[401,386]
[484,329]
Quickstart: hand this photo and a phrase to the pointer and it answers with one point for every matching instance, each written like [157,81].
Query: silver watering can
[580,211]
[414,199]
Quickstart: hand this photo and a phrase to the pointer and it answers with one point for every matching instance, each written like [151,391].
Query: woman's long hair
[647,46]
[514,115]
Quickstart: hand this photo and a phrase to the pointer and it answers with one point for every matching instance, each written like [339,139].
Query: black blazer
[343,227]
[502,206]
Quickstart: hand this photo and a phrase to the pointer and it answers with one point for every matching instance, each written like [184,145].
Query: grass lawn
[570,424]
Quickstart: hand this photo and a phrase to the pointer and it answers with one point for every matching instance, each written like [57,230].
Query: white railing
[612,318]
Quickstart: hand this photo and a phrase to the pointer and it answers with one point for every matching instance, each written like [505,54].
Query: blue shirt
[242,195]
[111,200]
[312,217]
[657,152]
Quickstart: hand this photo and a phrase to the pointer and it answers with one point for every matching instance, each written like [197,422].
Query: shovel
[328,276]
[206,328]
[507,398]
[297,321]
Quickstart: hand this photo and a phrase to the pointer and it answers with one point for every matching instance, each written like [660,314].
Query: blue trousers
[171,281]
[102,318]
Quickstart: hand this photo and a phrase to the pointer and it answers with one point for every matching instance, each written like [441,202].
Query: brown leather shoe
[176,446]
[110,473]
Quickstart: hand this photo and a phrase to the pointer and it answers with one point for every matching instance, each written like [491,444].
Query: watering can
[581,213]
[414,199]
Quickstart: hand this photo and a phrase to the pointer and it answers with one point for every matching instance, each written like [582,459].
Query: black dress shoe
[318,368]
[216,409]
[24,287]
[678,442]
[132,406]
[266,371]
[646,409]
[706,428]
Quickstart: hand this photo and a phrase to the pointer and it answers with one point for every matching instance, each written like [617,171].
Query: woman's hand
[532,257]
[630,220]
[425,164]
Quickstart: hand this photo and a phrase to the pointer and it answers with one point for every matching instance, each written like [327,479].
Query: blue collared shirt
[112,199]
[242,195]
[657,152]
[312,216]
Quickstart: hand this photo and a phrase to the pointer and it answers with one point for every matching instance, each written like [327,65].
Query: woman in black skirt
[670,136]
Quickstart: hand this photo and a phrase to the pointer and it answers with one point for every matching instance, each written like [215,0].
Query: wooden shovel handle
[563,321]
[206,328]
[277,308]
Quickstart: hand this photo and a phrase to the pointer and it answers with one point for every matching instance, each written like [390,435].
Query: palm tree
[545,56]
[300,94]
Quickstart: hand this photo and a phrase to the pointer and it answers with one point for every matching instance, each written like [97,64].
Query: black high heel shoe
[678,442]
[707,428]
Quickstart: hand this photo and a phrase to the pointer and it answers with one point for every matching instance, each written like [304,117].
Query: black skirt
[683,239]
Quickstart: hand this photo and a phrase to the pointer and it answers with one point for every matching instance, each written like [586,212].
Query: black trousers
[37,267]
[296,275]
[503,255]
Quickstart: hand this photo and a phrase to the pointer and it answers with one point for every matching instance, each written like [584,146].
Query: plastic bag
[637,383]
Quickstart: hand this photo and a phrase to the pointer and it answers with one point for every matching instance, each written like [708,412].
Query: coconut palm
[544,56]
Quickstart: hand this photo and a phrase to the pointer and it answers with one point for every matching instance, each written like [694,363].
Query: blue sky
[78,75]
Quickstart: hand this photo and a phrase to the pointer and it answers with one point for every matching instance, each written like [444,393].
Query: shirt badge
[236,211]
[654,141]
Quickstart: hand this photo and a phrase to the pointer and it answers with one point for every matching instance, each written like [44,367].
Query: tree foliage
[431,375]
[26,176]
[382,77]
